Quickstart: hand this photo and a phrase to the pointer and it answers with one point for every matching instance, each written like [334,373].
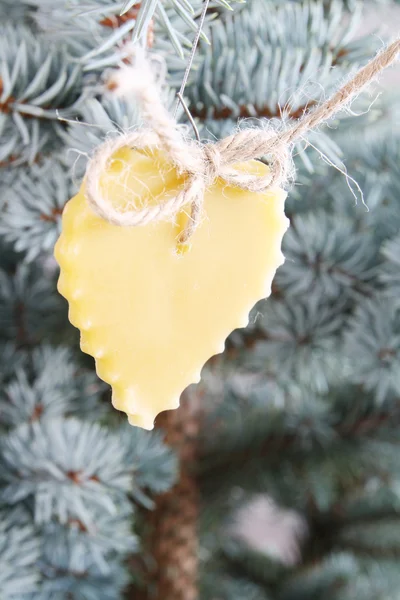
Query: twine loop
[213,163]
[203,164]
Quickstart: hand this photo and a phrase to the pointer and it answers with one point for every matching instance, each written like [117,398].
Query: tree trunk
[173,536]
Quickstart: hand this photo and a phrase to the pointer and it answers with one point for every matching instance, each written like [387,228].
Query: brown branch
[261,112]
[20,318]
[54,216]
[37,412]
[5,106]
[76,477]
[115,21]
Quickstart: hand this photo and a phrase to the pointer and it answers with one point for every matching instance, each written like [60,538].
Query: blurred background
[278,478]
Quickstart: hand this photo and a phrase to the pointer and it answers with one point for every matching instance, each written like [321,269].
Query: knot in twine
[203,164]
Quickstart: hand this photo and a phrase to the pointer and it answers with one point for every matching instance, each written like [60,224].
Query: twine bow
[204,163]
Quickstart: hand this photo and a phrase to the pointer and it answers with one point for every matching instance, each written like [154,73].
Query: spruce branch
[154,464]
[374,537]
[37,84]
[311,437]
[327,256]
[32,209]
[64,469]
[296,339]
[390,276]
[373,337]
[100,34]
[272,62]
[100,120]
[19,552]
[11,360]
[16,12]
[48,383]
[29,305]
[372,158]
[66,572]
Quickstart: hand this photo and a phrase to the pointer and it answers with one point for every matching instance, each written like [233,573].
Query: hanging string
[204,163]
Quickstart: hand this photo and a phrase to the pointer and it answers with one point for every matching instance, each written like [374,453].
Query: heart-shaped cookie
[150,311]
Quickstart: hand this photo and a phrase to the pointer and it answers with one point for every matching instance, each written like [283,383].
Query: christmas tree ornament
[151,309]
[170,243]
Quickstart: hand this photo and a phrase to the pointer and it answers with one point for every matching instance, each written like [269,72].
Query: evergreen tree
[294,428]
